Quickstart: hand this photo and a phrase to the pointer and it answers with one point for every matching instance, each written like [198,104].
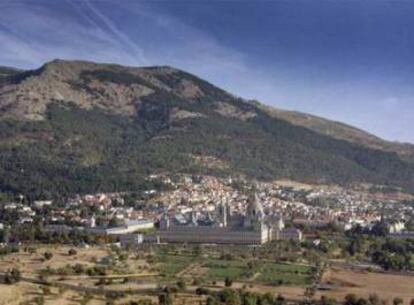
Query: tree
[362,301]
[373,299]
[46,290]
[12,276]
[327,301]
[165,299]
[86,298]
[197,250]
[280,300]
[380,229]
[16,274]
[397,301]
[72,252]
[141,302]
[40,300]
[48,255]
[251,265]
[202,291]
[181,285]
[228,282]
[229,297]
[351,299]
[249,298]
[309,292]
[268,299]
[31,250]
[5,235]
[211,301]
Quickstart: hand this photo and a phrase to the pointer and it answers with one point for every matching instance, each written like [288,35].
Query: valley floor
[137,277]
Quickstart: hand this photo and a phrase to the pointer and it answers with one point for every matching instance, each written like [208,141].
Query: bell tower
[254,213]
[223,213]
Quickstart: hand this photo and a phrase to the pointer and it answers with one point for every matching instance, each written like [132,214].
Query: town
[296,210]
[203,234]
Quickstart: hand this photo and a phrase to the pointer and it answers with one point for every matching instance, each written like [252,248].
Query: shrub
[48,255]
[228,282]
[181,285]
[72,252]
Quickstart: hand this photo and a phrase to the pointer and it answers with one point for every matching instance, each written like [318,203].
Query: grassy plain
[361,283]
[141,271]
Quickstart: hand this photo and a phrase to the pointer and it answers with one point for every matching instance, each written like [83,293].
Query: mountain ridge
[7,71]
[342,131]
[310,121]
[91,127]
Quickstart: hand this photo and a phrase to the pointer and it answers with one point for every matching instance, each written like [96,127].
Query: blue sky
[351,61]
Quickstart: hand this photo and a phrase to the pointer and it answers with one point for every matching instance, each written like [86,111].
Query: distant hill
[77,127]
[341,131]
[7,71]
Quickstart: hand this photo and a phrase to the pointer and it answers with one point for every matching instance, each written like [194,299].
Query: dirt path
[188,269]
[253,277]
[110,276]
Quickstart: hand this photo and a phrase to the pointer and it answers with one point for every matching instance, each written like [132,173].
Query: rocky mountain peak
[92,127]
[111,87]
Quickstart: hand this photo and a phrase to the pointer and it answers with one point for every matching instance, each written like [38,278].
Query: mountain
[341,131]
[7,71]
[76,127]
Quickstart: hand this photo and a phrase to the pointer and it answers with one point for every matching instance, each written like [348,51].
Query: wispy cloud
[175,42]
[128,43]
[143,33]
[86,31]
[41,33]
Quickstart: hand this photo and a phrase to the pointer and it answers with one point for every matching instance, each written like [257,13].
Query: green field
[170,265]
[220,269]
[281,274]
[215,269]
[266,273]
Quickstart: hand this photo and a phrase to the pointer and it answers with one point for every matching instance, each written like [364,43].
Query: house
[131,240]
[129,226]
[42,203]
[290,234]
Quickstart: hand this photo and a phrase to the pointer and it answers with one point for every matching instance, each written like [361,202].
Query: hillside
[341,131]
[74,126]
[7,71]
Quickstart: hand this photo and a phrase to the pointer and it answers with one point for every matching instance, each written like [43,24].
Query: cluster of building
[207,209]
[219,226]
[222,226]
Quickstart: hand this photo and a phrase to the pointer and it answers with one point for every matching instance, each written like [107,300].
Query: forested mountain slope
[77,127]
